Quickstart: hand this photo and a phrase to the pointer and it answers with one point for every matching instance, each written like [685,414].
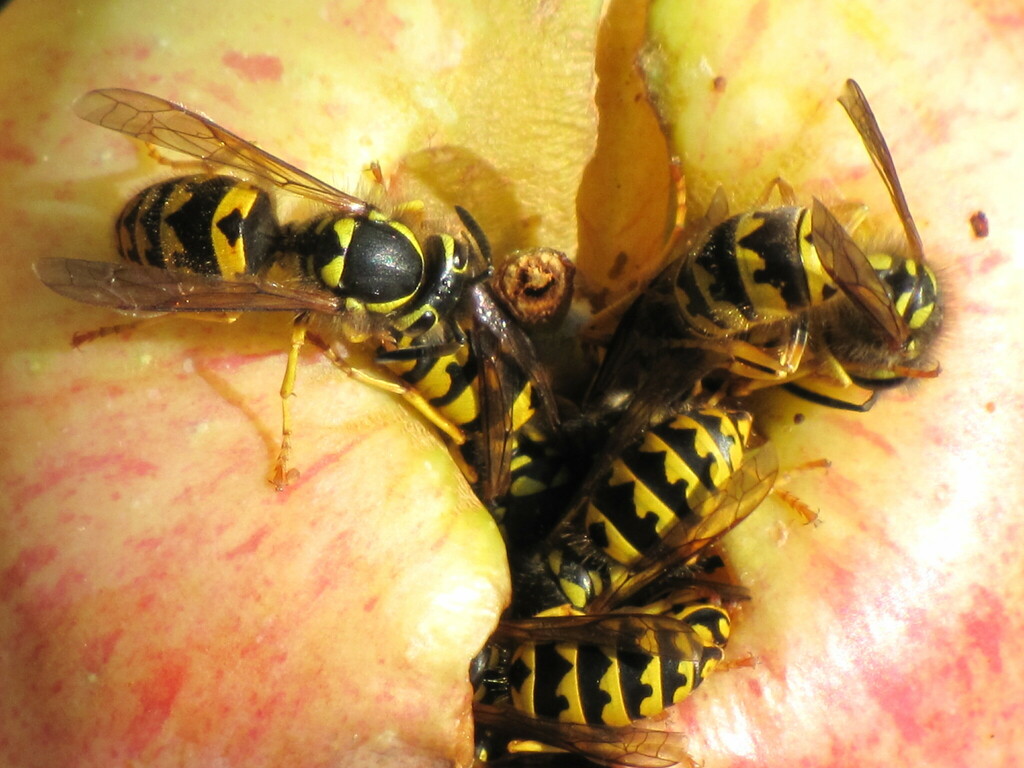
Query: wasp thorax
[375,261]
[445,263]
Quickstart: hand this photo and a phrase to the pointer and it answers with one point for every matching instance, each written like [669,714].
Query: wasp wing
[715,516]
[638,339]
[856,105]
[507,362]
[545,757]
[172,126]
[140,288]
[847,265]
[515,346]
[496,440]
[675,377]
[630,746]
[651,320]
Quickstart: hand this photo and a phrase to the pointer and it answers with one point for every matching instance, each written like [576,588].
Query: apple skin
[890,634]
[160,603]
[167,607]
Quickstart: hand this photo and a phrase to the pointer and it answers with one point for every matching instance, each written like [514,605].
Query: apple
[162,604]
[890,632]
[169,607]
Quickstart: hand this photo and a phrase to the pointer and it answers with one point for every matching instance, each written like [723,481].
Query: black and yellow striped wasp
[611,620]
[594,642]
[495,389]
[650,505]
[780,295]
[786,295]
[212,243]
[581,682]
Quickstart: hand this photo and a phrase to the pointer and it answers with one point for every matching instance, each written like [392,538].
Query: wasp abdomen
[659,483]
[590,684]
[755,267]
[448,383]
[540,486]
[212,225]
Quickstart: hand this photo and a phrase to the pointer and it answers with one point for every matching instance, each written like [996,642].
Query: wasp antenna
[476,232]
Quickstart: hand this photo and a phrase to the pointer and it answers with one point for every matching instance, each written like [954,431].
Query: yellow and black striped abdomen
[449,384]
[539,474]
[590,684]
[710,621]
[212,225]
[756,267]
[540,486]
[660,483]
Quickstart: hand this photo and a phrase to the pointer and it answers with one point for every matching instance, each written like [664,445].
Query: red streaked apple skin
[890,634]
[160,605]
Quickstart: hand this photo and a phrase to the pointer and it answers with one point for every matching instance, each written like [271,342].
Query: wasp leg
[789,498]
[716,212]
[190,166]
[681,238]
[849,398]
[84,337]
[413,354]
[746,661]
[675,169]
[786,192]
[826,382]
[601,326]
[387,383]
[411,210]
[281,476]
[767,354]
[751,362]
[411,396]
[375,175]
[850,214]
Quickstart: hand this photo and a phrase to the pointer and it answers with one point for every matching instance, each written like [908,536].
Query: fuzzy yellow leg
[411,396]
[752,362]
